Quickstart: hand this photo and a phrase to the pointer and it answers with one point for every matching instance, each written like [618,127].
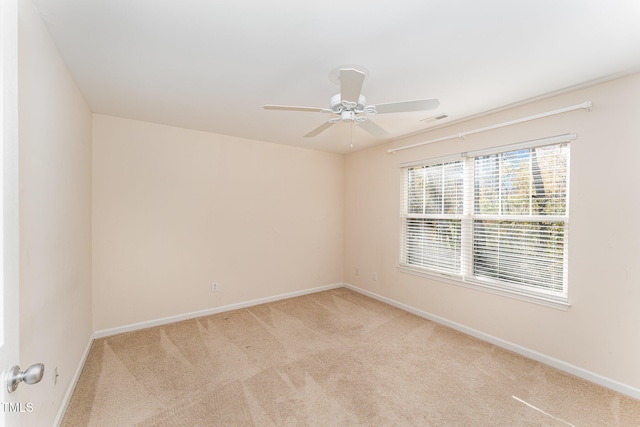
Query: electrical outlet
[55,376]
[214,287]
[374,276]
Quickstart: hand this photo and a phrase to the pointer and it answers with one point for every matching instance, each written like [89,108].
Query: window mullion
[500,184]
[424,190]
[443,189]
[467,218]
[531,184]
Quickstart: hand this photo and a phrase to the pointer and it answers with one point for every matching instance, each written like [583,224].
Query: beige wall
[55,218]
[601,331]
[176,209]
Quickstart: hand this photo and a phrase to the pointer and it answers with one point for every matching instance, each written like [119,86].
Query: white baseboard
[531,354]
[208,312]
[72,385]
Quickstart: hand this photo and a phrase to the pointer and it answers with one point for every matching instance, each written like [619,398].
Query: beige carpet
[334,358]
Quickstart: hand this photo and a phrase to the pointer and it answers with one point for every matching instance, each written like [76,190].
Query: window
[433,220]
[495,219]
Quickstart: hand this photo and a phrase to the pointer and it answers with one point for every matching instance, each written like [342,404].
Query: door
[9,402]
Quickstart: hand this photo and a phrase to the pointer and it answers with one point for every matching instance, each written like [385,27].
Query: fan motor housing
[338,107]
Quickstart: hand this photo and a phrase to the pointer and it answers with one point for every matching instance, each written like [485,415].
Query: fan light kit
[350,104]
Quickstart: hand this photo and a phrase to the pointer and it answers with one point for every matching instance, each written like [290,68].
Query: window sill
[557,303]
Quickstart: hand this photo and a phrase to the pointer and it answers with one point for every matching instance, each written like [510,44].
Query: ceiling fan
[350,103]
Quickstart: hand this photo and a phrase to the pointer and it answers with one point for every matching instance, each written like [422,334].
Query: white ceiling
[211,64]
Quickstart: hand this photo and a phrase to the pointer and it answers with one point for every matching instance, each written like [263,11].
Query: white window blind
[495,218]
[433,216]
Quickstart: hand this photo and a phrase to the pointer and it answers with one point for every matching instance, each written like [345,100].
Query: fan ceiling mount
[351,106]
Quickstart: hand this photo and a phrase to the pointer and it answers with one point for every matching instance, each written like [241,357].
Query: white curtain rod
[585,105]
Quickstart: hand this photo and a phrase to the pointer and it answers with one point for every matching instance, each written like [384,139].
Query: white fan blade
[406,106]
[373,129]
[293,108]
[351,84]
[319,129]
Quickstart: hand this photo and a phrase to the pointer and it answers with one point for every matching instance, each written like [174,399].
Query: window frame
[465,278]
